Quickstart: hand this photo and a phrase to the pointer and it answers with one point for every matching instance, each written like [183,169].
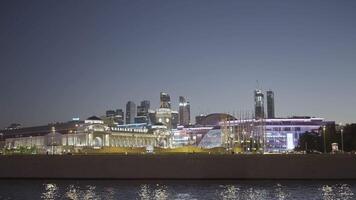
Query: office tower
[270,105]
[175,117]
[120,117]
[114,117]
[184,111]
[259,104]
[142,112]
[142,109]
[165,100]
[130,112]
[110,113]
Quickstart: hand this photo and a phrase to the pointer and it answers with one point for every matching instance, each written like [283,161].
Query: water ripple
[178,190]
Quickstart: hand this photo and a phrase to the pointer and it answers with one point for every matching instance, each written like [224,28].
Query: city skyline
[80,59]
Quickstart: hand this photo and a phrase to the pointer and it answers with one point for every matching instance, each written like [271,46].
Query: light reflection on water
[180,190]
[338,191]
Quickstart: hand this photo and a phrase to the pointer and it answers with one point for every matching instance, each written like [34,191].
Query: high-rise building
[142,109]
[259,104]
[270,105]
[165,100]
[152,117]
[110,113]
[175,117]
[120,116]
[184,111]
[142,112]
[114,117]
[130,112]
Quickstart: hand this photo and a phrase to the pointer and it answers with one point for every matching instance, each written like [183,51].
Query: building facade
[130,112]
[142,112]
[115,117]
[270,105]
[120,117]
[165,100]
[259,104]
[199,119]
[77,136]
[184,111]
[274,135]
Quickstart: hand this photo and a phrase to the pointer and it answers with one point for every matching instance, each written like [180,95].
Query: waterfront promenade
[180,166]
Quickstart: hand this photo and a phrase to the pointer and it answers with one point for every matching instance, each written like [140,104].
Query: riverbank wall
[179,166]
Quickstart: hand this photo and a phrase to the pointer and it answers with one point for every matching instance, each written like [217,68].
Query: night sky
[64,59]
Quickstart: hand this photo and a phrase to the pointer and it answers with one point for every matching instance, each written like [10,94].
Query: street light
[324,138]
[342,139]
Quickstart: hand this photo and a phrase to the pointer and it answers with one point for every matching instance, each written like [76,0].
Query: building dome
[94,118]
[214,119]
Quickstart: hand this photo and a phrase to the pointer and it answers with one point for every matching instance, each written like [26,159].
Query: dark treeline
[314,141]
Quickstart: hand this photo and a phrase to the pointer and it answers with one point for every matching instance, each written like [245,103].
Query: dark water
[110,189]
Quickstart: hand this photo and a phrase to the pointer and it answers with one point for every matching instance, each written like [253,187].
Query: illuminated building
[175,119]
[164,115]
[280,134]
[167,117]
[114,117]
[184,111]
[142,112]
[165,100]
[259,105]
[75,136]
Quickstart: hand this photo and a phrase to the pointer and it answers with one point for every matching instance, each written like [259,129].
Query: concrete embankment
[181,166]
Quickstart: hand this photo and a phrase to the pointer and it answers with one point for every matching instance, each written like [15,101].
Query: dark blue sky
[61,59]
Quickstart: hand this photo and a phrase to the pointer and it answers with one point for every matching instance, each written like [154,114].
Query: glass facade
[281,135]
[211,139]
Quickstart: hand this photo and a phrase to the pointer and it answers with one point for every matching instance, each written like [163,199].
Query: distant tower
[259,104]
[142,112]
[165,100]
[142,109]
[184,111]
[120,116]
[130,112]
[270,104]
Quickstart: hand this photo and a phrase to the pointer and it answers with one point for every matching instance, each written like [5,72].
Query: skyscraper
[110,113]
[184,111]
[165,100]
[114,117]
[259,104]
[175,119]
[130,112]
[270,104]
[142,112]
[120,116]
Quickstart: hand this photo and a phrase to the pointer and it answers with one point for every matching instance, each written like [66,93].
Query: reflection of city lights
[51,191]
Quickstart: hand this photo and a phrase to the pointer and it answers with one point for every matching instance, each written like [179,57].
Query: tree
[350,137]
[309,141]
